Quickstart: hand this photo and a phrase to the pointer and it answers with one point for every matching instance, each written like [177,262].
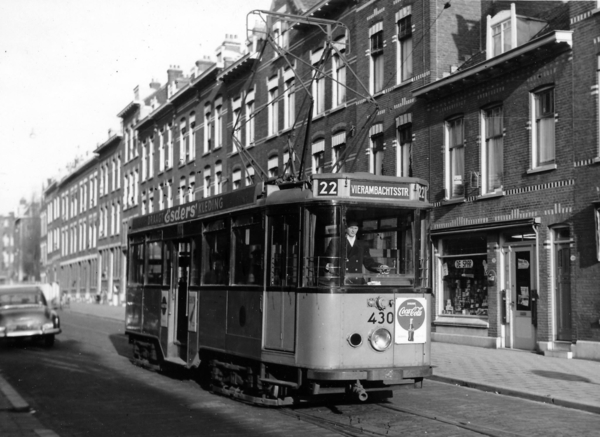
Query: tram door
[519,275]
[183,255]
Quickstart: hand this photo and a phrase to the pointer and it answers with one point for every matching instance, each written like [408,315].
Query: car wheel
[49,340]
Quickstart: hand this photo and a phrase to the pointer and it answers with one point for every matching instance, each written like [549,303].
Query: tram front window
[359,246]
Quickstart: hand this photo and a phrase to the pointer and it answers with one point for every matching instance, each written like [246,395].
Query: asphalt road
[87,386]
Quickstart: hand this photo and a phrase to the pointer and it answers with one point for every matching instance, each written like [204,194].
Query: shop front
[485,280]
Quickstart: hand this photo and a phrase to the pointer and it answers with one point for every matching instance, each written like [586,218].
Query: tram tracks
[385,419]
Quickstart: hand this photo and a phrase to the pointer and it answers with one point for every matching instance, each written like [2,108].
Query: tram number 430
[381,317]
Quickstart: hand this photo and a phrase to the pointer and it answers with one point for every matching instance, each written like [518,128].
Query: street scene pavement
[563,382]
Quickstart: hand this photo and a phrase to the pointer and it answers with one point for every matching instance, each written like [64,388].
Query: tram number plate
[381,318]
[328,188]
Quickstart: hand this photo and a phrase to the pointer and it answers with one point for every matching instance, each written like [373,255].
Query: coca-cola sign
[411,310]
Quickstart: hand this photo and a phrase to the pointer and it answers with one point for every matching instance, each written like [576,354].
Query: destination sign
[196,209]
[379,190]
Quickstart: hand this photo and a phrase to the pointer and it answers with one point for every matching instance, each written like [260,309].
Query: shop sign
[463,263]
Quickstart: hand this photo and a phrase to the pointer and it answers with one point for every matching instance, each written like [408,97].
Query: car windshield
[21,298]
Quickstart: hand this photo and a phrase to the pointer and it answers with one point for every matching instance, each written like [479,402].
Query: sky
[68,67]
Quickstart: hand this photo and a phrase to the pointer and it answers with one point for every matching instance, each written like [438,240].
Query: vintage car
[24,313]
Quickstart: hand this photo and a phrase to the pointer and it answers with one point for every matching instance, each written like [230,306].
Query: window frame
[404,35]
[376,58]
[537,120]
[450,159]
[486,182]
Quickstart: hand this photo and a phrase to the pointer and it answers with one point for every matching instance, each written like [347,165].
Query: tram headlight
[380,339]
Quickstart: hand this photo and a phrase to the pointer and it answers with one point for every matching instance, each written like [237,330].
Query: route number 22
[328,188]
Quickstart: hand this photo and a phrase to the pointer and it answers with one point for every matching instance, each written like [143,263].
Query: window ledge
[206,153]
[596,160]
[453,201]
[595,11]
[337,108]
[461,320]
[493,195]
[403,84]
[542,168]
[270,137]
[321,115]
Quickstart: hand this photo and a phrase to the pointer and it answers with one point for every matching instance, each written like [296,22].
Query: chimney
[203,64]
[155,85]
[136,93]
[174,73]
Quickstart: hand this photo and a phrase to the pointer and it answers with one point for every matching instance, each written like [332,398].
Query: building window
[161,149]
[543,131]
[405,43]
[162,194]
[184,148]
[182,190]
[250,119]
[218,178]
[338,150]
[463,267]
[376,150]
[218,124]
[501,37]
[493,150]
[150,200]
[273,166]
[318,82]
[404,148]
[207,175]
[289,104]
[273,107]
[207,129]
[169,188]
[249,175]
[151,158]
[169,152]
[318,154]
[236,122]
[338,72]
[191,152]
[376,45]
[236,179]
[144,203]
[191,189]
[455,158]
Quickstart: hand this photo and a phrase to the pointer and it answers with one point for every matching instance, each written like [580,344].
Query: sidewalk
[568,383]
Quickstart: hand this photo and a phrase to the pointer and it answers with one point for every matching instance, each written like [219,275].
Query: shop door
[520,283]
[563,292]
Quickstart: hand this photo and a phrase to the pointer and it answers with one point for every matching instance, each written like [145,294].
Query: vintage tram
[254,288]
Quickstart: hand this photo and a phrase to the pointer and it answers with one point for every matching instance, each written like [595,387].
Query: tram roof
[353,187]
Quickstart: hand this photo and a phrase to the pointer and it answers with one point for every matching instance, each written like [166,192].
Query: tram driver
[357,255]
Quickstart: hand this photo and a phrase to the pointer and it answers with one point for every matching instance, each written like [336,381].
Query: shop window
[463,273]
[597,222]
[196,260]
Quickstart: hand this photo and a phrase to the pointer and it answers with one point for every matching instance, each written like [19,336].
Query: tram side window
[195,267]
[284,235]
[136,263]
[248,250]
[323,226]
[215,264]
[155,262]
